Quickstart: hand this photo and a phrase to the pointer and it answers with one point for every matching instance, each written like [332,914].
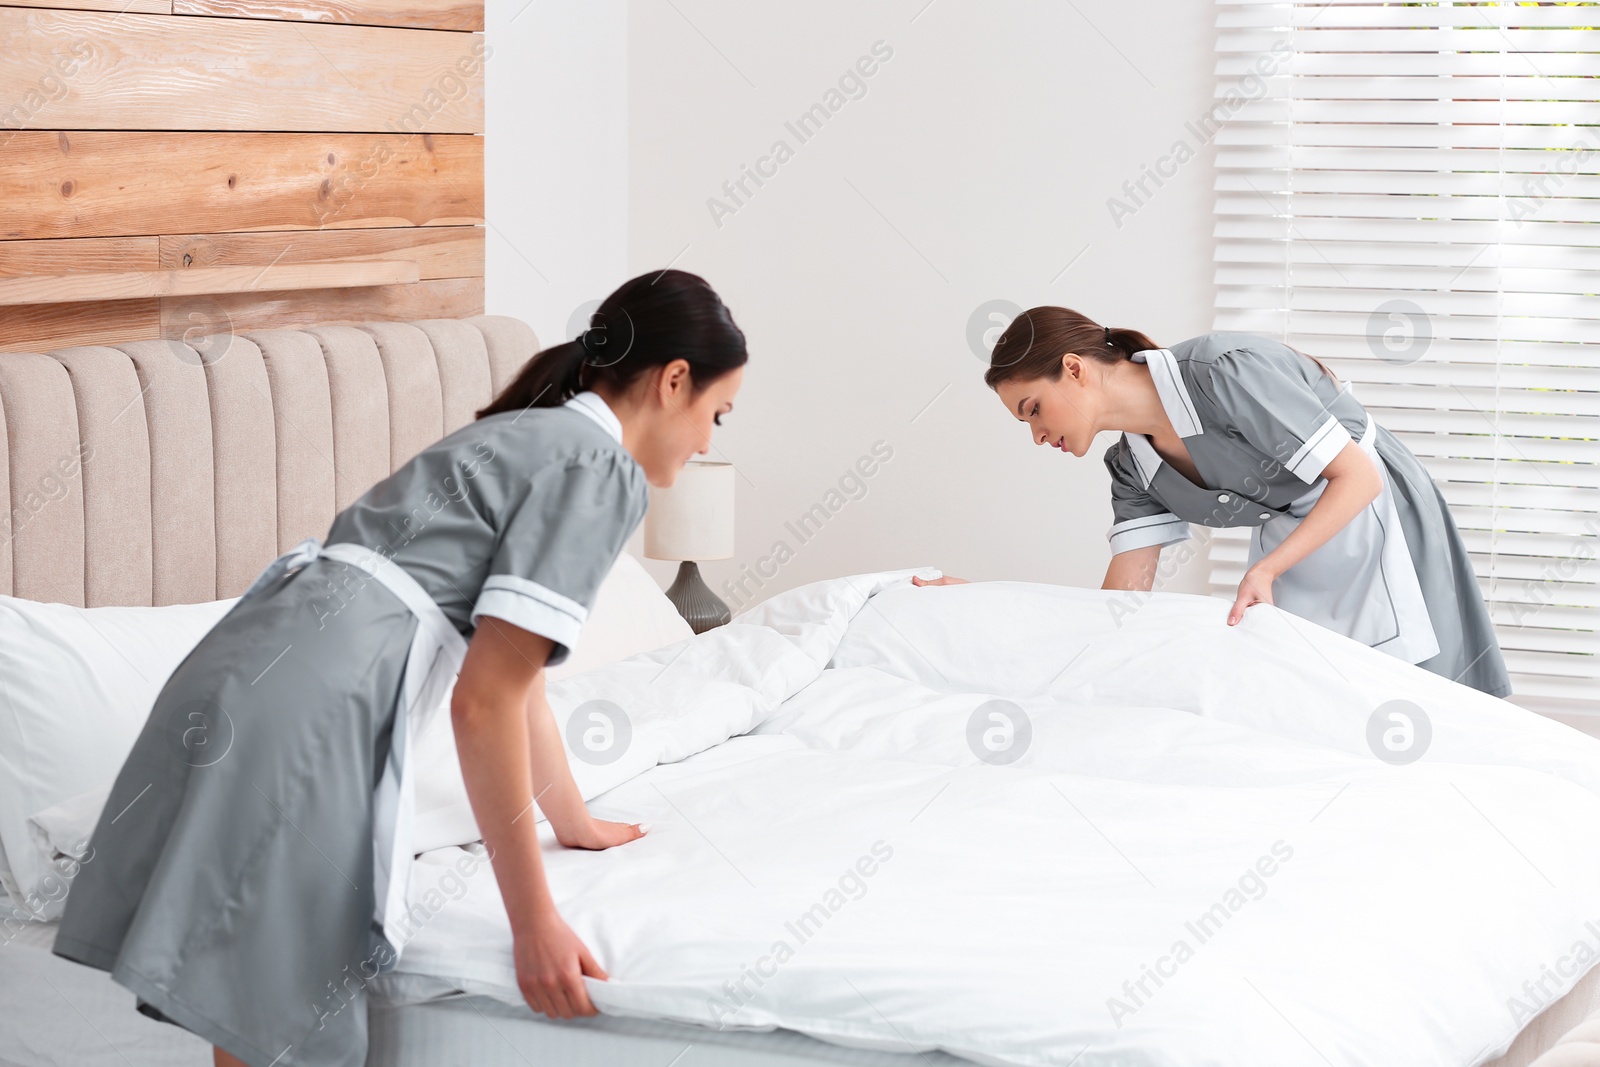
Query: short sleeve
[1269,401]
[558,542]
[1139,520]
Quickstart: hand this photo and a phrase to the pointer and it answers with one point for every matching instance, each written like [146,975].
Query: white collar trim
[1174,394]
[593,405]
[1145,456]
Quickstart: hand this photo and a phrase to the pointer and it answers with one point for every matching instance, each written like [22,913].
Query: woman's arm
[1134,569]
[1354,481]
[489,710]
[554,789]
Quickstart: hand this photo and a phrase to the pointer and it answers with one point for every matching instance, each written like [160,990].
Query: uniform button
[1266,515]
[1222,498]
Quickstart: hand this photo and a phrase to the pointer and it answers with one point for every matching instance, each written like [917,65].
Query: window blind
[1411,192]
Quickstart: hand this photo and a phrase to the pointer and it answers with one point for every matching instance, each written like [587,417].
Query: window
[1411,192]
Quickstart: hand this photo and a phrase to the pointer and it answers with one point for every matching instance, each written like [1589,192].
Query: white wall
[556,161]
[977,165]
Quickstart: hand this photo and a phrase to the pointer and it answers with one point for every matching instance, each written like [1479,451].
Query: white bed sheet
[1022,909]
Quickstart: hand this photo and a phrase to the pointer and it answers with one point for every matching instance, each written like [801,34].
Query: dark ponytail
[1032,346]
[648,322]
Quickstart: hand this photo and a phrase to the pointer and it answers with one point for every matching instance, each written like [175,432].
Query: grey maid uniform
[239,880]
[1260,422]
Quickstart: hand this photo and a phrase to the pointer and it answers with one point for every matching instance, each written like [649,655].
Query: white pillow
[61,835]
[76,686]
[631,614]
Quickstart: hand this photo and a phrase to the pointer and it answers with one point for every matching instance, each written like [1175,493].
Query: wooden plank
[198,281]
[439,251]
[144,72]
[201,316]
[137,7]
[86,254]
[417,14]
[44,328]
[47,327]
[100,184]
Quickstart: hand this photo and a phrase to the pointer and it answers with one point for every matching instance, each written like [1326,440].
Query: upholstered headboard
[164,472]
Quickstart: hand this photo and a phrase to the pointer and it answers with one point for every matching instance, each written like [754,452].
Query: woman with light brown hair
[1237,429]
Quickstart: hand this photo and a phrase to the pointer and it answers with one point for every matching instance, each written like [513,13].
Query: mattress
[417,1021]
[421,1025]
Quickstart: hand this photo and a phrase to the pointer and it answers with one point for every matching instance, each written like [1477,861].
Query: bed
[979,819]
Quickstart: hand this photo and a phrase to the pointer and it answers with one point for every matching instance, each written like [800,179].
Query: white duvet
[1197,858]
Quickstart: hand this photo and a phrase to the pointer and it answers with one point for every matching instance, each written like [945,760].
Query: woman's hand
[1254,588]
[554,789]
[551,963]
[1353,481]
[598,833]
[946,580]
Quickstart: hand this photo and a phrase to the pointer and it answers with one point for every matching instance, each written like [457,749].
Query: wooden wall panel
[58,184]
[195,317]
[133,72]
[46,327]
[86,254]
[418,14]
[165,135]
[138,7]
[439,251]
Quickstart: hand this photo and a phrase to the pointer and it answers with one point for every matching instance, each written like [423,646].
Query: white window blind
[1411,192]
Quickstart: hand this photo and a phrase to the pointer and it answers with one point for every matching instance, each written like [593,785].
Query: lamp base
[695,601]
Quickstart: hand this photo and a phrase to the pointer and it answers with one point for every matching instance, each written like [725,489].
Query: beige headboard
[159,472]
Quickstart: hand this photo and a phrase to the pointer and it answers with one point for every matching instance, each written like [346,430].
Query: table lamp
[693,520]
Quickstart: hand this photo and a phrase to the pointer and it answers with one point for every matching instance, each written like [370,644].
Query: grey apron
[432,663]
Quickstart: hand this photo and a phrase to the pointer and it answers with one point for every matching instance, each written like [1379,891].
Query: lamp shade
[693,520]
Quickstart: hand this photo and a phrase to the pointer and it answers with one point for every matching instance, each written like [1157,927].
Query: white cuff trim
[542,593]
[1146,530]
[1325,442]
[534,608]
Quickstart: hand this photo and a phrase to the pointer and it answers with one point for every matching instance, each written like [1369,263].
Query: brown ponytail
[1325,369]
[1032,346]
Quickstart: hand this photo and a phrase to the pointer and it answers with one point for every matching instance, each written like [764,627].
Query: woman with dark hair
[249,897]
[1236,429]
